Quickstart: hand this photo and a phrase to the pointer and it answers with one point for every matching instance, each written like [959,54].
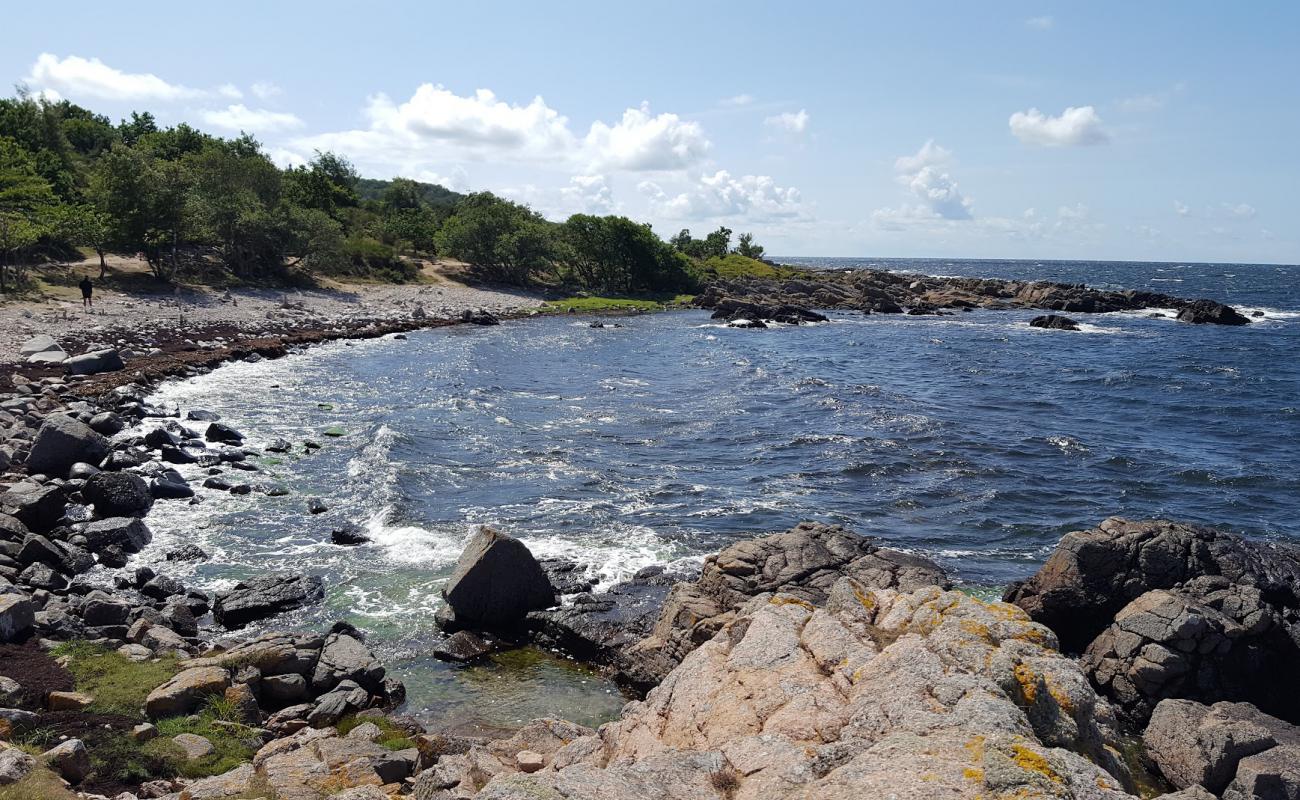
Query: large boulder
[496,583]
[803,562]
[1198,745]
[1092,574]
[1166,610]
[63,441]
[266,596]
[185,691]
[342,658]
[877,693]
[37,506]
[118,494]
[95,362]
[1054,322]
[127,534]
[42,349]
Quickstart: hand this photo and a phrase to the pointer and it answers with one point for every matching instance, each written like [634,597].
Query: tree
[748,249]
[234,204]
[138,126]
[718,243]
[507,241]
[83,225]
[25,199]
[616,254]
[327,183]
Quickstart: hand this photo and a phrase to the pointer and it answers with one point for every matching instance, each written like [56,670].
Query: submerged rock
[1054,321]
[496,582]
[1201,312]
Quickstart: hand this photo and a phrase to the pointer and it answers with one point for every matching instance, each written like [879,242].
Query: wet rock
[462,646]
[223,434]
[202,415]
[566,576]
[107,423]
[95,362]
[118,494]
[1201,312]
[479,318]
[316,506]
[496,582]
[170,486]
[63,441]
[350,536]
[265,596]
[1054,322]
[162,587]
[124,533]
[187,552]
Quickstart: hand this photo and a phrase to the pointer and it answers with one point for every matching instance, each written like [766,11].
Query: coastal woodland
[203,208]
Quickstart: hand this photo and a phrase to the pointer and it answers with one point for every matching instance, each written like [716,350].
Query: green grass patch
[232,745]
[734,265]
[40,784]
[638,303]
[118,684]
[394,738]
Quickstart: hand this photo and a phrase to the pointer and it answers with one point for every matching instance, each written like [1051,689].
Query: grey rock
[497,581]
[16,616]
[63,441]
[69,759]
[265,596]
[38,507]
[118,494]
[345,658]
[125,533]
[1194,744]
[93,363]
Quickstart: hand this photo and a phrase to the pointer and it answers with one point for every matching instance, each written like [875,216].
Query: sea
[973,439]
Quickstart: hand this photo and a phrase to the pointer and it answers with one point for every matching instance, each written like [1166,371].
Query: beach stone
[462,646]
[281,690]
[497,581]
[348,537]
[70,760]
[118,494]
[170,486]
[1272,775]
[93,363]
[265,596]
[126,533]
[17,616]
[107,423]
[63,441]
[193,746]
[144,732]
[185,691]
[42,349]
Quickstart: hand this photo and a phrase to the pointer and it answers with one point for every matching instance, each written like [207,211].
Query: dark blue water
[974,439]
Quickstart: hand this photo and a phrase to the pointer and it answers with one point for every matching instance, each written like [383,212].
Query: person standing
[87,289]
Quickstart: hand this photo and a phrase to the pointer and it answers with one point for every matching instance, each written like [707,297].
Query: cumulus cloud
[926,176]
[756,197]
[1075,126]
[1182,209]
[1040,23]
[644,142]
[587,194]
[738,100]
[230,91]
[796,122]
[239,117]
[1240,211]
[437,123]
[265,90]
[79,77]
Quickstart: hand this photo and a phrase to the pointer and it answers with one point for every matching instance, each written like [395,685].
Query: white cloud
[1075,213]
[1182,209]
[1240,211]
[738,100]
[79,77]
[285,158]
[756,197]
[587,194]
[1040,23]
[476,121]
[795,123]
[641,142]
[239,117]
[265,90]
[230,90]
[1154,101]
[1075,126]
[926,177]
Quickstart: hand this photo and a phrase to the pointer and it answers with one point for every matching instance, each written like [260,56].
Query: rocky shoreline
[1143,659]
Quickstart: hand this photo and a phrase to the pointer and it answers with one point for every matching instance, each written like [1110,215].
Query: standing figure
[87,289]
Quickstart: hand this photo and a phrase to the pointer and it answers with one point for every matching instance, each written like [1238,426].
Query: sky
[1163,131]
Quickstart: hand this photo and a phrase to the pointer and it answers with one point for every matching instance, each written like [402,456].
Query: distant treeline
[192,203]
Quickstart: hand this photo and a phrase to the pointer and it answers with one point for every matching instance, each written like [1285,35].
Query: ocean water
[973,439]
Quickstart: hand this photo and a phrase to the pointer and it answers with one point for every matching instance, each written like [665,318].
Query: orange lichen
[784,600]
[1032,761]
[1028,680]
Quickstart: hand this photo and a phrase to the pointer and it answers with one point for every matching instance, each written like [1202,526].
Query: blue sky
[1153,131]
